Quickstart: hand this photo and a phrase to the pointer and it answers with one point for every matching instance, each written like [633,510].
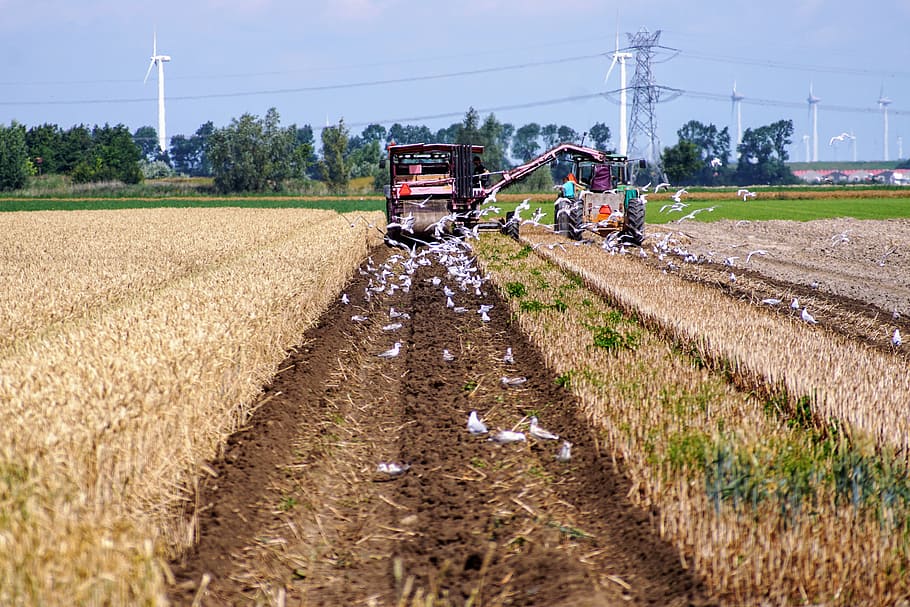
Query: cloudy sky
[70,62]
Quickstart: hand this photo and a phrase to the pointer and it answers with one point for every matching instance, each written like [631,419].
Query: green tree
[75,146]
[567,134]
[469,129]
[188,154]
[14,162]
[763,155]
[146,137]
[526,142]
[682,162]
[334,169]
[550,134]
[44,143]
[600,136]
[711,143]
[255,154]
[113,156]
[400,134]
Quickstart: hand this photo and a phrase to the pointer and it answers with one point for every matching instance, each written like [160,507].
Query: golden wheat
[649,400]
[172,322]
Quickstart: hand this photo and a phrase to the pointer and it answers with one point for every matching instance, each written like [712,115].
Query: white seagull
[447,356]
[539,433]
[745,194]
[808,317]
[508,358]
[565,452]
[896,338]
[392,327]
[755,252]
[344,299]
[358,318]
[513,381]
[507,436]
[794,304]
[391,352]
[392,469]
[771,301]
[475,426]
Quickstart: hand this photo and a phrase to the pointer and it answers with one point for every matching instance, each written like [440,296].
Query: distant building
[845,176]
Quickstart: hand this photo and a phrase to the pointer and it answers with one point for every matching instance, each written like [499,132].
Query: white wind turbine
[623,122]
[158,59]
[884,102]
[813,118]
[737,99]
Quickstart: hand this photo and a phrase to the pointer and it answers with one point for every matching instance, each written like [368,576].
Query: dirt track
[295,513]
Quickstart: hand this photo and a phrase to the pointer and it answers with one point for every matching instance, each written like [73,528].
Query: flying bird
[475,425]
[745,194]
[755,252]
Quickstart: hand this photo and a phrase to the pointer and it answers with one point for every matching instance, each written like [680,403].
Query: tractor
[435,190]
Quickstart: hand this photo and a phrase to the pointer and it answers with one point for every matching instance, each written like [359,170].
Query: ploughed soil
[852,275]
[296,513]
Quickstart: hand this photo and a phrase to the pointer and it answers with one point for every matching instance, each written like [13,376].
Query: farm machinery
[435,189]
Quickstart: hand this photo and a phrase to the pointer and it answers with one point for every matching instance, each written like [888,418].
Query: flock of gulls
[459,278]
[664,246]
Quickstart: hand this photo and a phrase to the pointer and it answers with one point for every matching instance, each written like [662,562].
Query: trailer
[435,190]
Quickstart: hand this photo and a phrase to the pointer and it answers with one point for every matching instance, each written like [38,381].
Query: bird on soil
[794,304]
[392,326]
[475,425]
[345,299]
[808,317]
[513,381]
[393,313]
[539,433]
[508,358]
[358,318]
[896,338]
[504,437]
[392,469]
[771,301]
[447,356]
[565,452]
[391,352]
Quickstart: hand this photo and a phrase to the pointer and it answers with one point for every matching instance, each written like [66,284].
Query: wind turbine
[884,102]
[623,122]
[736,98]
[813,118]
[806,139]
[159,60]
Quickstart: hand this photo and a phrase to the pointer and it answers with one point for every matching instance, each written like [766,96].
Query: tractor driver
[481,174]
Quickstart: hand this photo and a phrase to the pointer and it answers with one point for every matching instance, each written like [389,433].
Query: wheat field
[133,343]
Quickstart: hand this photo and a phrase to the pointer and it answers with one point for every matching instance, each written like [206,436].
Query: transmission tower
[646,94]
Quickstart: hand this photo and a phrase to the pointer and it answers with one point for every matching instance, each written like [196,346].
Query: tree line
[257,154]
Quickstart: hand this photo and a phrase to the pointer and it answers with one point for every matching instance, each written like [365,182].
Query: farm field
[209,442]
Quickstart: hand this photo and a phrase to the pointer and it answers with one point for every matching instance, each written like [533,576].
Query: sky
[70,62]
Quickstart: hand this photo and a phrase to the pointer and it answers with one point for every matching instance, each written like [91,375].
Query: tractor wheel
[562,218]
[510,227]
[633,224]
[576,219]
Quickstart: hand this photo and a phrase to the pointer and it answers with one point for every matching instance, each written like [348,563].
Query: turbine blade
[609,71]
[151,65]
